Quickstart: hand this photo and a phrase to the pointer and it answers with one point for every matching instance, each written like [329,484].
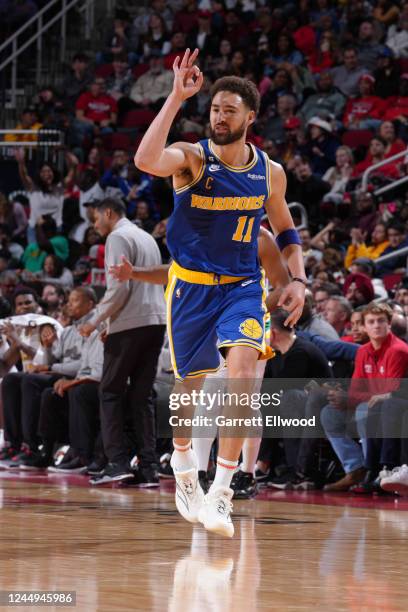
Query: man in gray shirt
[135,316]
[347,75]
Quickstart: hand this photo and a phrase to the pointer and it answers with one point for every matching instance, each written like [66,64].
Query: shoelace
[224,505]
[188,487]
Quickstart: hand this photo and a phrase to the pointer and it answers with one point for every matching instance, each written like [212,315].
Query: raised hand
[123,271]
[188,78]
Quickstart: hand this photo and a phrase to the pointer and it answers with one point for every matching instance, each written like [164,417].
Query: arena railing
[12,50]
[303,214]
[384,162]
[49,144]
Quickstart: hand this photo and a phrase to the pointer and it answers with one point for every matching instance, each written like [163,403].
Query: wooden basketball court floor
[125,549]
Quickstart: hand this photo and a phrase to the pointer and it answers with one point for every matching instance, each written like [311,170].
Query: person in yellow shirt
[28,121]
[358,247]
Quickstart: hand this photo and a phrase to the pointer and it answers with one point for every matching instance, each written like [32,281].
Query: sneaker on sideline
[244,485]
[113,472]
[74,466]
[6,455]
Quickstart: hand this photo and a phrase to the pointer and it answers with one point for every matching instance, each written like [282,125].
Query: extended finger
[192,58]
[176,63]
[184,61]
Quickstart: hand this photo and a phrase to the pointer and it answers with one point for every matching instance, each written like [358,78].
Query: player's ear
[251,117]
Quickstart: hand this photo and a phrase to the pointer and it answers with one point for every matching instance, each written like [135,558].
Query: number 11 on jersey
[244,222]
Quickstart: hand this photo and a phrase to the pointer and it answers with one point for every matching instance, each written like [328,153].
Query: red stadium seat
[117,140]
[357,138]
[104,71]
[139,118]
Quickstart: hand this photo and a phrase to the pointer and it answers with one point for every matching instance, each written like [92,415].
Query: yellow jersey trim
[201,373]
[201,278]
[169,297]
[248,166]
[199,175]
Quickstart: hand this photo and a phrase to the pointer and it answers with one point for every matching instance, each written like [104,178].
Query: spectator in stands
[217,65]
[386,12]
[358,289]
[153,87]
[22,391]
[365,111]
[339,175]
[394,144]
[322,294]
[398,108]
[311,255]
[347,75]
[54,272]
[96,112]
[380,361]
[47,241]
[312,323]
[376,153]
[46,191]
[357,332]
[369,50]
[77,80]
[186,19]
[12,214]
[328,101]
[398,239]
[204,37]
[386,75]
[8,284]
[321,146]
[118,41]
[54,298]
[274,129]
[397,38]
[304,186]
[8,249]
[135,313]
[358,247]
[28,121]
[119,83]
[337,312]
[284,53]
[23,340]
[156,37]
[401,294]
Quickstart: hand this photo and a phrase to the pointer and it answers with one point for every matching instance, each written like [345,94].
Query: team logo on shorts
[251,329]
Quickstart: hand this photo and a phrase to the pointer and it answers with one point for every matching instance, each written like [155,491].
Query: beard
[227,137]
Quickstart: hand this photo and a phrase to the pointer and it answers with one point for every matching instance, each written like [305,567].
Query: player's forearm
[157,275]
[294,258]
[151,148]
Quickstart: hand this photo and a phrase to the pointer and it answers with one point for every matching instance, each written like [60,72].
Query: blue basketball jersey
[215,223]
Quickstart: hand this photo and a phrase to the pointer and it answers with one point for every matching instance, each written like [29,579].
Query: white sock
[224,473]
[183,458]
[250,452]
[202,449]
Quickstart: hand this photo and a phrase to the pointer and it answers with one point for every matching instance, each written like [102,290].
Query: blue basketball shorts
[205,319]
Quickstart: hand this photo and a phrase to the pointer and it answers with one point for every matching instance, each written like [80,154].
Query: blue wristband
[289,236]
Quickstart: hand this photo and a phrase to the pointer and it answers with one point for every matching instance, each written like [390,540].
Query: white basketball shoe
[215,513]
[189,494]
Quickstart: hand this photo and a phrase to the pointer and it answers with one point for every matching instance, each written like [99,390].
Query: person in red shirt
[375,154]
[379,366]
[96,112]
[398,105]
[365,111]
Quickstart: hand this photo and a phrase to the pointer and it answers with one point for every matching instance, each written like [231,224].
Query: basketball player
[277,277]
[215,295]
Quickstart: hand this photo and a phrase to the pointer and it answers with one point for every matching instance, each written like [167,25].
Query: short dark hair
[5,308]
[396,225]
[81,57]
[243,87]
[278,318]
[116,205]
[86,292]
[24,291]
